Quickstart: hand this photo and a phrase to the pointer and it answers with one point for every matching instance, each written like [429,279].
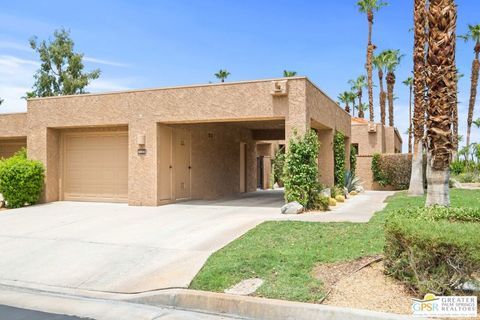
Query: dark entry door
[260,172]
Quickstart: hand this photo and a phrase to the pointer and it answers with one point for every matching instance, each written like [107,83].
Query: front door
[181,163]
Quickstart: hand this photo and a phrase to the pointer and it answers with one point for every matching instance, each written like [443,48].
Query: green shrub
[320,202]
[433,250]
[339,158]
[301,169]
[468,177]
[457,167]
[21,180]
[278,166]
[353,159]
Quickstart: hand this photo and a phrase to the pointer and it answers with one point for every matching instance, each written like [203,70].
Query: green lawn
[284,253]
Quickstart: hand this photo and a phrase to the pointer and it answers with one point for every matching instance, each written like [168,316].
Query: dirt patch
[352,285]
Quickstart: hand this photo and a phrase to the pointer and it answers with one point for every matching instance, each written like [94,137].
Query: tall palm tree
[474,35]
[393,58]
[442,90]
[455,122]
[416,187]
[409,83]
[222,74]
[288,74]
[369,7]
[380,62]
[346,98]
[357,86]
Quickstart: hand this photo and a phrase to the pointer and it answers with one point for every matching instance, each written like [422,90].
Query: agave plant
[351,181]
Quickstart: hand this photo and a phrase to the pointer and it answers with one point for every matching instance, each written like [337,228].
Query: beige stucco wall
[13,125]
[141,111]
[384,140]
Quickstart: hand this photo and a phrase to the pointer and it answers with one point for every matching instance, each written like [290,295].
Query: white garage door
[96,167]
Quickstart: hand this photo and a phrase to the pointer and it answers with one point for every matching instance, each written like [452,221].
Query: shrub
[339,157]
[353,160]
[468,177]
[321,202]
[332,202]
[392,169]
[378,174]
[336,191]
[278,166]
[21,180]
[457,167]
[340,198]
[301,170]
[433,250]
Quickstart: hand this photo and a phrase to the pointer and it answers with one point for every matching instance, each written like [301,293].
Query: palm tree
[380,63]
[474,35]
[344,97]
[442,86]
[369,7]
[288,74]
[477,123]
[393,58]
[455,122]
[409,83]
[357,86]
[222,75]
[362,108]
[1,101]
[416,187]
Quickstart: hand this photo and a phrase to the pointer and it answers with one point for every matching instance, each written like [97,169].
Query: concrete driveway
[116,248]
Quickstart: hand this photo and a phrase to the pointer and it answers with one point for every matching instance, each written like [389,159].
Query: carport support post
[142,167]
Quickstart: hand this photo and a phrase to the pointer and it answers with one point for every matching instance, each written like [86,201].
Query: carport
[210,160]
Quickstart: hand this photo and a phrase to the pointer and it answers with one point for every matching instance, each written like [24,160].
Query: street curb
[255,308]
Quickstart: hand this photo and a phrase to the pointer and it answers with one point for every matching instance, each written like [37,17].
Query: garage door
[96,167]
[9,147]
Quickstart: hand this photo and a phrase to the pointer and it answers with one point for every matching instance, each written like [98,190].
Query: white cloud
[16,78]
[105,62]
[14,46]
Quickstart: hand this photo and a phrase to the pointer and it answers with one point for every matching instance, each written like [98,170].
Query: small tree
[301,169]
[278,166]
[353,160]
[61,69]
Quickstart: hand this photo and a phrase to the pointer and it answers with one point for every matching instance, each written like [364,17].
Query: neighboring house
[368,139]
[155,146]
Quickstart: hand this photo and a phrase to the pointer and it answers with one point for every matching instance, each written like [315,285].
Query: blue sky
[141,44]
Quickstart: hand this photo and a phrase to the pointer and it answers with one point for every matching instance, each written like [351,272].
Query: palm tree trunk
[347,108]
[382,96]
[390,87]
[360,110]
[416,187]
[473,91]
[410,121]
[442,84]
[370,49]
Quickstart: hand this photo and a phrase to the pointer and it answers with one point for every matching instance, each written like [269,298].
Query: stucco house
[370,138]
[155,146]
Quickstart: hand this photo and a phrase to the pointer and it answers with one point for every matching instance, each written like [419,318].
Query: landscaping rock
[455,184]
[327,192]
[292,208]
[245,287]
[360,189]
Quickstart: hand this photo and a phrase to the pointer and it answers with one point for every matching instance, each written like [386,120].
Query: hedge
[392,170]
[21,180]
[433,250]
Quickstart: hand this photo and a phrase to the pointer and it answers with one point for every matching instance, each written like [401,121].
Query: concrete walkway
[117,248]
